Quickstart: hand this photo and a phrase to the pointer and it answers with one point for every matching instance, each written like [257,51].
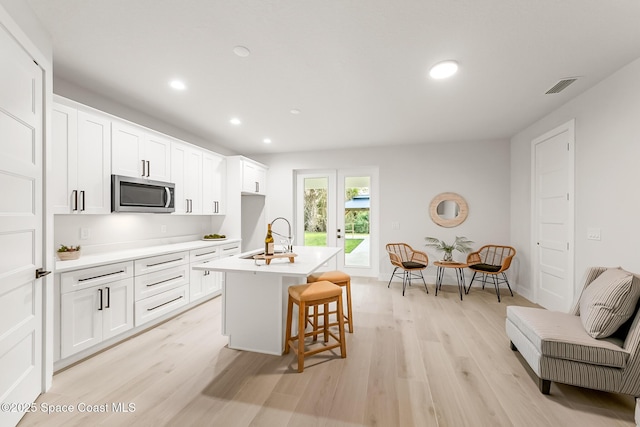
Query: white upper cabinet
[157,154]
[139,153]
[214,177]
[186,173]
[81,161]
[254,177]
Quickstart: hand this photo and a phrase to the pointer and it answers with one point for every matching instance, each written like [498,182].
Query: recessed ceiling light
[241,51]
[443,69]
[177,84]
[295,111]
[235,121]
[267,140]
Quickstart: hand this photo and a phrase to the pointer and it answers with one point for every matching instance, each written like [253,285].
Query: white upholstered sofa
[572,348]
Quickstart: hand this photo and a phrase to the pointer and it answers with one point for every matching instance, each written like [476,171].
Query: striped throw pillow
[608,302]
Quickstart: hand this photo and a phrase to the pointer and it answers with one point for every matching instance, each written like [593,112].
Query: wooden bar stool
[341,279]
[313,295]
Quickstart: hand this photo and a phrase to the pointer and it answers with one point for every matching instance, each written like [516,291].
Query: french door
[338,208]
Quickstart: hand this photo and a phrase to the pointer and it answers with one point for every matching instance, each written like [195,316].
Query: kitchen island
[254,295]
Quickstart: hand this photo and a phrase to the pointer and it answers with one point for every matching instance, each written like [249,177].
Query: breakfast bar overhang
[254,295]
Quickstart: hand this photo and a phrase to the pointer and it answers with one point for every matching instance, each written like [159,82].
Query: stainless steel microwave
[141,195]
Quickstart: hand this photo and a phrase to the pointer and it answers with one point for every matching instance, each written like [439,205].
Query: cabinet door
[81,320]
[261,179]
[186,174]
[117,315]
[193,186]
[196,284]
[253,178]
[213,282]
[127,145]
[213,183]
[94,164]
[64,130]
[178,177]
[157,152]
[203,283]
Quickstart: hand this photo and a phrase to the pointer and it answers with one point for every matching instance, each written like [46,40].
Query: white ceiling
[356,69]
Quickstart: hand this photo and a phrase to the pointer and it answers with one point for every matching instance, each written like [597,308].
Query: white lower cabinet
[101,302]
[204,283]
[161,304]
[162,287]
[93,313]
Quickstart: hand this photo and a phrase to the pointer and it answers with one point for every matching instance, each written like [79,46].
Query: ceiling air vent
[561,85]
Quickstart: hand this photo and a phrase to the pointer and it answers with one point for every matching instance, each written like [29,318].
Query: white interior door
[21,229]
[337,208]
[553,164]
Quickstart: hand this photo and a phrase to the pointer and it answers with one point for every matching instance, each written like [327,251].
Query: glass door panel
[356,211]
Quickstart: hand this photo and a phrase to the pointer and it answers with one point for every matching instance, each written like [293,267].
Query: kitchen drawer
[229,249]
[160,262]
[87,277]
[157,282]
[161,304]
[203,254]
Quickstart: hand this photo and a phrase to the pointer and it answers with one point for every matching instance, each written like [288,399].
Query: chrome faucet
[289,238]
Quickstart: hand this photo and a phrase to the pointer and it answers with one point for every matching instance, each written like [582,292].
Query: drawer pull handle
[102,275]
[163,281]
[164,262]
[164,303]
[230,249]
[207,253]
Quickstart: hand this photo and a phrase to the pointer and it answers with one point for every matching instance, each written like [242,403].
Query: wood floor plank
[417,360]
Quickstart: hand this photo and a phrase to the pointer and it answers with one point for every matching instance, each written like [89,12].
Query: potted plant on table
[461,244]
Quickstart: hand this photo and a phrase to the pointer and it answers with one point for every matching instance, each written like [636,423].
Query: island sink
[254,296]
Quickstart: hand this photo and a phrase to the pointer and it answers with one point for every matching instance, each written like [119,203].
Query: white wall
[410,176]
[607,152]
[125,231]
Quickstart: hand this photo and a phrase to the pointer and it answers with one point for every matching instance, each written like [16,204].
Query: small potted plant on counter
[66,253]
[461,244]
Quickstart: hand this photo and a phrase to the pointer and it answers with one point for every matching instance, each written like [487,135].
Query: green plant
[64,248]
[461,244]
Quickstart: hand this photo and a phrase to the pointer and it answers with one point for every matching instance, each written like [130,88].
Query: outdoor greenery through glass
[315,219]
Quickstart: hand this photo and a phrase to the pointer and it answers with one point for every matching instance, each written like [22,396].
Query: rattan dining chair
[409,261]
[491,260]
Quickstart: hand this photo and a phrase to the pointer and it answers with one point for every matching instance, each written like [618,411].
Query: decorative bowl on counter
[66,253]
[214,236]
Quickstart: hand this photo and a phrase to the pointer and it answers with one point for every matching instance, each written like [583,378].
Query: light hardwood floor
[418,360]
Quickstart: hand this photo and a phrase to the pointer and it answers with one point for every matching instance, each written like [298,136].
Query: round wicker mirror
[448,209]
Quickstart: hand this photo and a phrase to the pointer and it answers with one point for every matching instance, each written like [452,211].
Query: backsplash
[106,233]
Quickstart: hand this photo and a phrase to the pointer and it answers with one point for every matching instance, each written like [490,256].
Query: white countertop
[308,260]
[129,254]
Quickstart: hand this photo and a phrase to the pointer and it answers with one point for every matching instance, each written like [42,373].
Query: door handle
[41,273]
[100,293]
[75,200]
[82,197]
[108,297]
[144,168]
[148,168]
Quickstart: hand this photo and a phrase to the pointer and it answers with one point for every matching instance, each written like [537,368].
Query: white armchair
[561,347]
